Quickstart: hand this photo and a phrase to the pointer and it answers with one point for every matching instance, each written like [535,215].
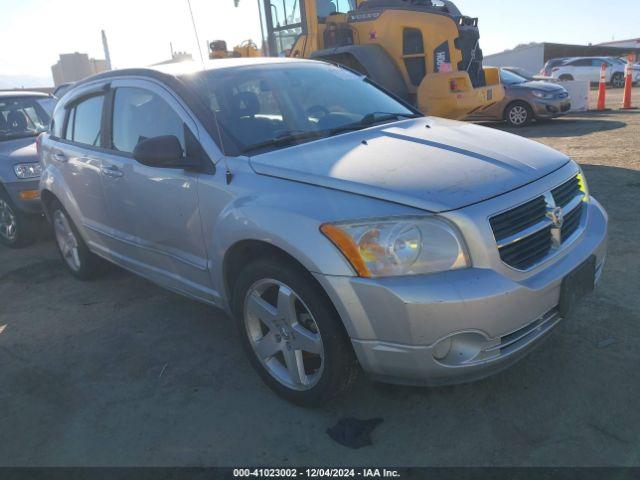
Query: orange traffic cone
[628,82]
[602,90]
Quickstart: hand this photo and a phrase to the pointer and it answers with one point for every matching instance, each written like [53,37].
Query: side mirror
[162,152]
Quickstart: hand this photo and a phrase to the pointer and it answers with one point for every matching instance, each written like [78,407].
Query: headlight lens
[399,246]
[541,94]
[27,170]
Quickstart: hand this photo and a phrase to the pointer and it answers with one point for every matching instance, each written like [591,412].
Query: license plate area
[577,285]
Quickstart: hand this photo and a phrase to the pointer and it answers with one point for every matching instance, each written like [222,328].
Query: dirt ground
[121,372]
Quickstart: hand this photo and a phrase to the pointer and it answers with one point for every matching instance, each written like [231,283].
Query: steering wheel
[317,111]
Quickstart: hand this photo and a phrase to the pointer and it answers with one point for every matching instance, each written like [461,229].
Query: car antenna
[228,174]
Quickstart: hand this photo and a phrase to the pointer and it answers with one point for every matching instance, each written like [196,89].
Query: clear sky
[34,32]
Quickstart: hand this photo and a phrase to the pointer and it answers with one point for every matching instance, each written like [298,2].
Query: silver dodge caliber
[341,228]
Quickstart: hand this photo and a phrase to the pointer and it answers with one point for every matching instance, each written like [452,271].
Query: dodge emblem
[557,216]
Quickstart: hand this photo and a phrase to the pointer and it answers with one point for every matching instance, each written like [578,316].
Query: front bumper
[395,323]
[15,189]
[550,108]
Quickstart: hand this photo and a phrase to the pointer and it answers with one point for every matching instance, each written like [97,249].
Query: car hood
[541,85]
[20,150]
[444,167]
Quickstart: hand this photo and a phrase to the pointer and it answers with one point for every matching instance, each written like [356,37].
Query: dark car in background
[526,101]
[23,116]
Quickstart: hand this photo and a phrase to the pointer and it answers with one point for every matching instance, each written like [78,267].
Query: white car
[588,68]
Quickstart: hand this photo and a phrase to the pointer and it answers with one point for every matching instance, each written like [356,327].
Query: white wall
[579,94]
[530,58]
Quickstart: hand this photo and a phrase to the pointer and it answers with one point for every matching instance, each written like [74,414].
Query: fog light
[29,195]
[460,349]
[442,349]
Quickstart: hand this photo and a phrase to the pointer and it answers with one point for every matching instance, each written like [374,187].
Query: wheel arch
[243,252]
[47,197]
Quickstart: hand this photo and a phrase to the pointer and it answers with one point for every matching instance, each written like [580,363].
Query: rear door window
[84,122]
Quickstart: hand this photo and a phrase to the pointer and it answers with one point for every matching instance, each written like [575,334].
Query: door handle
[60,157]
[111,171]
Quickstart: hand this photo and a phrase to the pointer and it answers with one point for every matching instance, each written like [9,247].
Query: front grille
[528,251]
[566,192]
[571,223]
[519,218]
[526,234]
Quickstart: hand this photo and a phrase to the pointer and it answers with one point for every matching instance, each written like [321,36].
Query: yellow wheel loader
[218,49]
[423,51]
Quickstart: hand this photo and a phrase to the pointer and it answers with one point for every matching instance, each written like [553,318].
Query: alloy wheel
[8,223]
[67,241]
[618,81]
[518,115]
[284,334]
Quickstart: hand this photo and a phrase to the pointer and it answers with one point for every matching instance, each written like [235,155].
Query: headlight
[27,170]
[542,94]
[399,246]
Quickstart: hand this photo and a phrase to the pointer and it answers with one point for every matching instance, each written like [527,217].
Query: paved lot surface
[121,372]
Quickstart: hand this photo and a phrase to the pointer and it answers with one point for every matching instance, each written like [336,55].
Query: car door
[155,220]
[596,67]
[582,69]
[76,151]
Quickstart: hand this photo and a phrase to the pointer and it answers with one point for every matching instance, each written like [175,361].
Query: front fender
[297,235]
[286,215]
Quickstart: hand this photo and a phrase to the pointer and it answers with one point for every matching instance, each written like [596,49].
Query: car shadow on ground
[561,127]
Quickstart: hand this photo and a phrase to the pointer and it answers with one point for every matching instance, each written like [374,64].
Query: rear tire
[17,229]
[75,255]
[518,114]
[291,333]
[617,81]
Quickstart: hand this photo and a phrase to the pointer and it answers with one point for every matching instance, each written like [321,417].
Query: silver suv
[341,228]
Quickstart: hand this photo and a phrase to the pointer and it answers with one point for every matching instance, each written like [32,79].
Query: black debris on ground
[353,433]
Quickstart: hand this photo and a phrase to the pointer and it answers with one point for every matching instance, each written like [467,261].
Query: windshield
[24,116]
[274,106]
[510,78]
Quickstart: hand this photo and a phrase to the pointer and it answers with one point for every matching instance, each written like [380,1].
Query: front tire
[617,81]
[518,114]
[291,333]
[17,229]
[76,256]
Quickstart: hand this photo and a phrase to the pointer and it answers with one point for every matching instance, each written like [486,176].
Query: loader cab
[284,24]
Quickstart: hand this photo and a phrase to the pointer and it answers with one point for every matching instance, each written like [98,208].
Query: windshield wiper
[371,119]
[375,117]
[284,140]
[299,136]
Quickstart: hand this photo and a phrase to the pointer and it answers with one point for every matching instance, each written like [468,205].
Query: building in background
[631,43]
[533,56]
[75,66]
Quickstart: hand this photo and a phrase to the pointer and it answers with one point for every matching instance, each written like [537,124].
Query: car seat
[17,121]
[245,126]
